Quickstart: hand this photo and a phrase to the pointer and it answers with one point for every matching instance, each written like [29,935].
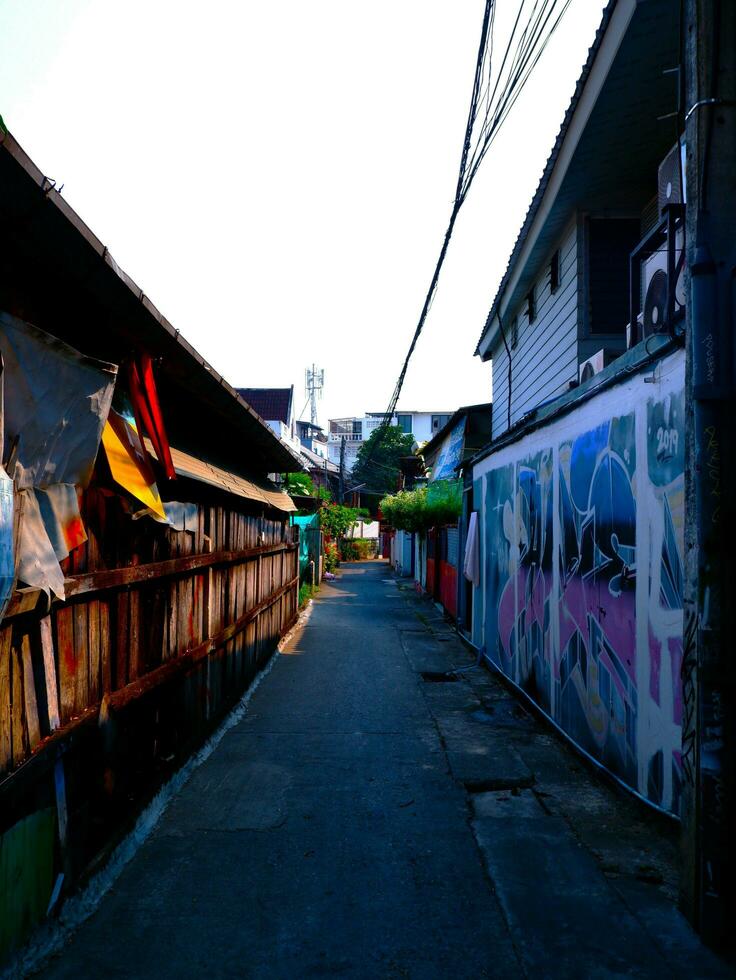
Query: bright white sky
[277,176]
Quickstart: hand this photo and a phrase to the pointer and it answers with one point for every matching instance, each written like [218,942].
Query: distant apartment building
[312,437]
[422,425]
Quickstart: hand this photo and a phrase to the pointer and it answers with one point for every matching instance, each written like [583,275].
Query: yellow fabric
[125,471]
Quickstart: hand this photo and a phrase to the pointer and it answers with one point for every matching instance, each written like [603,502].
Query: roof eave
[282,454]
[608,35]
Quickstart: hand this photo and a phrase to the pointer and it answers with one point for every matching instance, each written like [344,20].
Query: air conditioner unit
[671,178]
[595,364]
[654,288]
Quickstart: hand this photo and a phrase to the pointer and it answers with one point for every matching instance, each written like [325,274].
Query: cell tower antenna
[315,379]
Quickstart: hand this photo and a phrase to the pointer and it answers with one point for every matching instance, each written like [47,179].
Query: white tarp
[179,516]
[38,565]
[50,527]
[56,403]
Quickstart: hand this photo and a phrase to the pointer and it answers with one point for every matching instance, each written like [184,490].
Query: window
[531,305]
[439,422]
[404,422]
[554,272]
[514,332]
[610,242]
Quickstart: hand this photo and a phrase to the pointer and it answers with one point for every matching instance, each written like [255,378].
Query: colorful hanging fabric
[147,410]
[129,463]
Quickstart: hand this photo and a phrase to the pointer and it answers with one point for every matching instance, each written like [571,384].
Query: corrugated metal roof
[58,248]
[272,404]
[314,459]
[197,469]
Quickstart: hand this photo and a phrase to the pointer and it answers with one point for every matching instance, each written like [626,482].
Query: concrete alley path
[332,832]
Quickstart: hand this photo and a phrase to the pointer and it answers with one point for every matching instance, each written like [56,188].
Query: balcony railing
[351,435]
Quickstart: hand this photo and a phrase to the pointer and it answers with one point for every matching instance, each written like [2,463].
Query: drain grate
[439,676]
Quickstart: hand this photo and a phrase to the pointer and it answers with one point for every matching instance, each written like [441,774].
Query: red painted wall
[448,587]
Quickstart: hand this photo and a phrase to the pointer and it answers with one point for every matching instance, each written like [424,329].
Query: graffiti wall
[581,596]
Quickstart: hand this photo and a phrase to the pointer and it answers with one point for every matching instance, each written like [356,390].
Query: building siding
[545,359]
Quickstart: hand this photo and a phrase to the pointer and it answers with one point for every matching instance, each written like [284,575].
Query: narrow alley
[369,818]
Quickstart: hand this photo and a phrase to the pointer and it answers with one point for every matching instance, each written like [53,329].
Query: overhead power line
[494,94]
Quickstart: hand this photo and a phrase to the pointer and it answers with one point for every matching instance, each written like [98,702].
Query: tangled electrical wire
[495,92]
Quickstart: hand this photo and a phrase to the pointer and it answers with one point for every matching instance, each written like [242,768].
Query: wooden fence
[104,695]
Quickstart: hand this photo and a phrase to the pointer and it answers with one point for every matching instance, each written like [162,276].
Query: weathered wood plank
[30,702]
[231,664]
[135,666]
[45,756]
[6,744]
[24,601]
[208,620]
[81,654]
[154,628]
[17,707]
[94,688]
[172,614]
[185,596]
[67,661]
[152,680]
[27,600]
[198,582]
[148,682]
[49,672]
[121,639]
[105,648]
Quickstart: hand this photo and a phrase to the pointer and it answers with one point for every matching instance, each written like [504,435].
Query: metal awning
[197,469]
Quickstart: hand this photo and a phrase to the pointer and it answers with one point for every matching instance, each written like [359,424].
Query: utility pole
[709,658]
[342,469]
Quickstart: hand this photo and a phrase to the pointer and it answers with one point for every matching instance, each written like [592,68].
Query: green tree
[378,467]
[336,519]
[299,483]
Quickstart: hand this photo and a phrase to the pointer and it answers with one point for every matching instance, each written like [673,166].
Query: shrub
[332,558]
[305,594]
[425,507]
[336,519]
[357,549]
[299,483]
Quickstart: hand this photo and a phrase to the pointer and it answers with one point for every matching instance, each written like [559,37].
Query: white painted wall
[364,529]
[401,551]
[285,433]
[420,560]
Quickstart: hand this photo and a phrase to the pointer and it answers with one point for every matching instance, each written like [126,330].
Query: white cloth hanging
[471,561]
